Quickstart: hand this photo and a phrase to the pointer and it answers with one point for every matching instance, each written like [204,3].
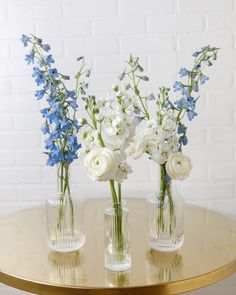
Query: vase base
[166,245]
[67,244]
[118,266]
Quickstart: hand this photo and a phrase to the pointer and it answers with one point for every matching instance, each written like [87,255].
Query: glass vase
[117,238]
[165,215]
[65,216]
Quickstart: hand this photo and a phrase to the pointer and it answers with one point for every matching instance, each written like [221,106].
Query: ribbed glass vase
[165,216]
[117,237]
[65,216]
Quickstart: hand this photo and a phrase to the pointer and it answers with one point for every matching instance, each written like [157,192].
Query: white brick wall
[163,33]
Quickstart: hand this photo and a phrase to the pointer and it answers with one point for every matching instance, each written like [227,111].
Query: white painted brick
[29,157]
[223,135]
[190,23]
[215,116]
[8,192]
[34,11]
[4,50]
[28,175]
[207,190]
[112,63]
[37,192]
[198,173]
[18,103]
[205,6]
[222,78]
[50,175]
[103,82]
[220,21]
[20,140]
[79,174]
[118,25]
[162,61]
[14,67]
[5,86]
[195,41]
[137,166]
[3,13]
[6,122]
[141,7]
[27,121]
[7,175]
[209,153]
[150,44]
[23,85]
[196,135]
[161,24]
[226,61]
[222,171]
[63,28]
[221,97]
[6,158]
[91,46]
[11,30]
[90,8]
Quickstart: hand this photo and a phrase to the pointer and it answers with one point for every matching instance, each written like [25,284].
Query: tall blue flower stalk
[60,123]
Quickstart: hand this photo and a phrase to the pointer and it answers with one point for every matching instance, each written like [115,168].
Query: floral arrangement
[163,136]
[116,126]
[104,137]
[61,125]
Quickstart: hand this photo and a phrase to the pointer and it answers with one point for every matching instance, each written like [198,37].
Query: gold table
[207,256]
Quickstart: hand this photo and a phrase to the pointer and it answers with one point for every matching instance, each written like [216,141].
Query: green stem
[145,111]
[117,206]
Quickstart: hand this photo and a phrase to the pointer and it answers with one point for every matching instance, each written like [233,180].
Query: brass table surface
[207,256]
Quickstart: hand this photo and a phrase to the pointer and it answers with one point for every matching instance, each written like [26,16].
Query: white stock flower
[178,166]
[101,164]
[122,172]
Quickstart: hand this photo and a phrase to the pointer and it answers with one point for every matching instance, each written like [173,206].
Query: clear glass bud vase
[165,216]
[65,216]
[117,238]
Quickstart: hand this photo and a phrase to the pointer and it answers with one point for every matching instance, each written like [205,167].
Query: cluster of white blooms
[104,141]
[157,139]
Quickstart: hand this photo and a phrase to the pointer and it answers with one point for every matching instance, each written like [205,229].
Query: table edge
[177,287]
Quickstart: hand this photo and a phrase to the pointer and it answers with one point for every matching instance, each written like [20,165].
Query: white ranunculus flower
[178,166]
[101,164]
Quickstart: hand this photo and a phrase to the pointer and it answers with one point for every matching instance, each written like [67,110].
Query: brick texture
[163,34]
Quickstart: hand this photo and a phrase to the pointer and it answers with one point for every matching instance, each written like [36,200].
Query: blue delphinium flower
[39,94]
[183,72]
[61,125]
[181,129]
[178,86]
[151,96]
[29,58]
[49,60]
[46,47]
[203,79]
[191,114]
[183,140]
[25,39]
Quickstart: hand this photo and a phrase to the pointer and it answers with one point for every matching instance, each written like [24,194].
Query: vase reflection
[117,278]
[67,268]
[162,267]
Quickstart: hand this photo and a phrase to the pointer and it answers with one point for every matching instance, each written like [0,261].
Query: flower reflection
[67,268]
[117,279]
[162,267]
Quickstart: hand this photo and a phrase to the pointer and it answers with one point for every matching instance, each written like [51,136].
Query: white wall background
[164,33]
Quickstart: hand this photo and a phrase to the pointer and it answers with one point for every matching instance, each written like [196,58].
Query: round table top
[207,256]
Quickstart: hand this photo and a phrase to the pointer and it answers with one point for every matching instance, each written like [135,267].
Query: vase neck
[63,179]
